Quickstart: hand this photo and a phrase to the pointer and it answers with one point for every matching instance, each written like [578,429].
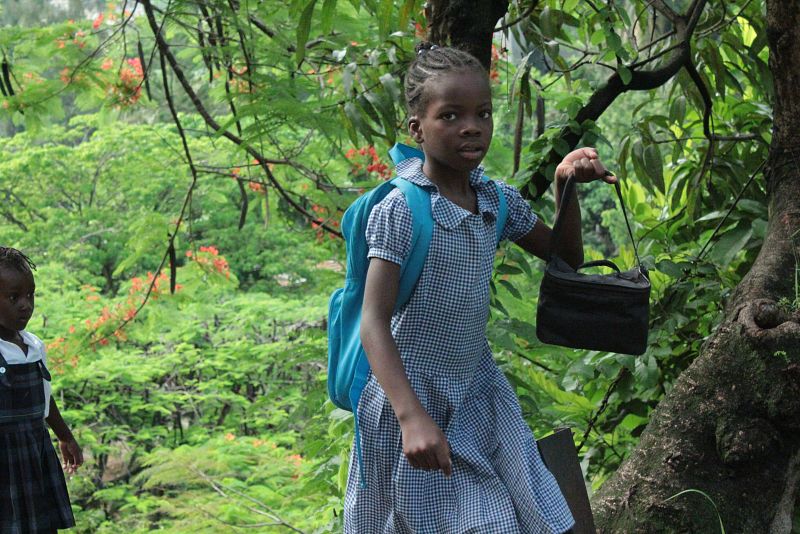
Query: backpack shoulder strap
[502,212]
[419,202]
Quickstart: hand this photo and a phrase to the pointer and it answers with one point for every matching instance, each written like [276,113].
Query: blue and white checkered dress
[499,483]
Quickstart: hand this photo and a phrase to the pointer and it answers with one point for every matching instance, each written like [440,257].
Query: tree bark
[729,427]
[465,24]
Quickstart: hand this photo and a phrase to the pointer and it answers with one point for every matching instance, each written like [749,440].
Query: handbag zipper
[621,289]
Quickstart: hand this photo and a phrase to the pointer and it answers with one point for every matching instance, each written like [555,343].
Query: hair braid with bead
[433,61]
[11,258]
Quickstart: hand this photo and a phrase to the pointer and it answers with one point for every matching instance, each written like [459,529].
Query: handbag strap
[598,263]
[569,187]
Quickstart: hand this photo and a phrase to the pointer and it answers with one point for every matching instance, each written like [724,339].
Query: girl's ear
[415,128]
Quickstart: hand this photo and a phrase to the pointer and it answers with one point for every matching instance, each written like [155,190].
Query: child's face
[16,300]
[456,127]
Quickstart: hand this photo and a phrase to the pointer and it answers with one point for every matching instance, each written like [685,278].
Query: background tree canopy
[178,170]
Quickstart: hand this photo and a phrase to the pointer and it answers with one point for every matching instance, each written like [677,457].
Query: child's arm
[71,452]
[584,164]
[424,444]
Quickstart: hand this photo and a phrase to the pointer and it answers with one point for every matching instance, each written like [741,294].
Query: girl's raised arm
[585,166]
[424,443]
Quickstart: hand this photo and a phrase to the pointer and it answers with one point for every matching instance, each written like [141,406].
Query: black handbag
[606,312]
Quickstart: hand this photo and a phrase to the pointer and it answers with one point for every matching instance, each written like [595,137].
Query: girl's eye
[448,116]
[485,114]
[12,298]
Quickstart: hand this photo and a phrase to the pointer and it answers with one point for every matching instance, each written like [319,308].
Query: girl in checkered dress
[445,448]
[33,492]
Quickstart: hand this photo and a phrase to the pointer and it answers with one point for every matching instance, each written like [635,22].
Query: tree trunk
[465,24]
[729,428]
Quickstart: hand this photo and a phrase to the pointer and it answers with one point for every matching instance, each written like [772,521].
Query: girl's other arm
[585,166]
[71,452]
[424,444]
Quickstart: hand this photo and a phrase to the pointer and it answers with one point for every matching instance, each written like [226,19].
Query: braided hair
[11,258]
[433,61]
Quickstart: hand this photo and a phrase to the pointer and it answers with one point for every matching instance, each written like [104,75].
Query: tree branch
[708,108]
[195,99]
[640,80]
[603,98]
[693,15]
[525,14]
[667,11]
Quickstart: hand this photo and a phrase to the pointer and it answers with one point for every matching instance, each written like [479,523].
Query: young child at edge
[33,492]
[444,444]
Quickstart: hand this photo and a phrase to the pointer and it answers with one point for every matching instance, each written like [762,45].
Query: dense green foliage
[206,409]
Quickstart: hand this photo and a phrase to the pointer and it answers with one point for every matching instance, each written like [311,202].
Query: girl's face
[16,301]
[455,129]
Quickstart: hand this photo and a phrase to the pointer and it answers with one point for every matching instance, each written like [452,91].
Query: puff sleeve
[521,219]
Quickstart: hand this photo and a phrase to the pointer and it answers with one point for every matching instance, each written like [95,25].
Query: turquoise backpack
[348,368]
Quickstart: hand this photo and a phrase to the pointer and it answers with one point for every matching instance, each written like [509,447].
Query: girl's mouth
[471,152]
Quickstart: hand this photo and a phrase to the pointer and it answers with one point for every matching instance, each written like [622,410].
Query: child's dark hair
[432,61]
[12,258]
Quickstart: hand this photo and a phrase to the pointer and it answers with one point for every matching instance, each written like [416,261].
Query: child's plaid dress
[33,492]
[499,483]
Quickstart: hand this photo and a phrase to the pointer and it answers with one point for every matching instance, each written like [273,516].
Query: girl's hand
[71,454]
[584,164]
[425,445]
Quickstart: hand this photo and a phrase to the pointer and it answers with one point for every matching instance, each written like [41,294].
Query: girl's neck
[12,336]
[447,182]
[455,188]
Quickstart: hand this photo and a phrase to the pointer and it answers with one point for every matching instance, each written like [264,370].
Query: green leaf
[348,76]
[328,11]
[385,10]
[548,23]
[730,244]
[391,85]
[654,166]
[505,268]
[614,42]
[672,269]
[639,168]
[622,159]
[511,289]
[303,30]
[555,392]
[677,110]
[625,74]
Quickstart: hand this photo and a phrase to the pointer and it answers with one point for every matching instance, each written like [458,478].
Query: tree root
[770,326]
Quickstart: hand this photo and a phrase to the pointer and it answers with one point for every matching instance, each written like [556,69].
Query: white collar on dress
[13,354]
[443,211]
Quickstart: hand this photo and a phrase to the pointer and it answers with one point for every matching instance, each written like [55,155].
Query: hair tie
[424,50]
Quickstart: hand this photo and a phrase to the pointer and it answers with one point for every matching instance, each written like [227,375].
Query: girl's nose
[470,127]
